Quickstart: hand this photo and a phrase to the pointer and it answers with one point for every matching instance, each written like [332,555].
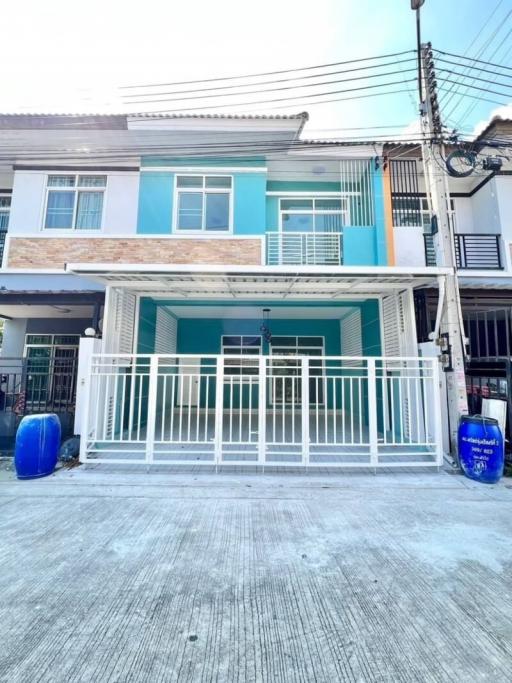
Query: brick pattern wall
[34,252]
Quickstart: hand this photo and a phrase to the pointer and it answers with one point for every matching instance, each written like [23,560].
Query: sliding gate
[303,411]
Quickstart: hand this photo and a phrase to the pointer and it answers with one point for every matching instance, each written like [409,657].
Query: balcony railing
[472,251]
[477,251]
[305,248]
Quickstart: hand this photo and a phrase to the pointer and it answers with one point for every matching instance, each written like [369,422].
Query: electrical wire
[484,46]
[271,82]
[268,73]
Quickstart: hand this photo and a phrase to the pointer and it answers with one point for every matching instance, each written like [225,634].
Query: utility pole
[451,339]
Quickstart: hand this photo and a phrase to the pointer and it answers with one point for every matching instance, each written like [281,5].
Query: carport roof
[248,282]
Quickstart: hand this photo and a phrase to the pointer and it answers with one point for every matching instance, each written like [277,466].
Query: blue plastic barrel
[37,446]
[481,448]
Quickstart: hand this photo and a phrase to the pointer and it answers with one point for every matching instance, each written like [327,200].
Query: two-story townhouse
[255,312]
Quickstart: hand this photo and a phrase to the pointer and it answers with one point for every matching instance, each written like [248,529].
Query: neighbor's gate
[30,386]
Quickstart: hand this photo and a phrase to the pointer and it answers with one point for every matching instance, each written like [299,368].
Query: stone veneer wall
[55,252]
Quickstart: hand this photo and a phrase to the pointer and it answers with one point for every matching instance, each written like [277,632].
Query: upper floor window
[313,215]
[413,211]
[203,202]
[74,202]
[5,209]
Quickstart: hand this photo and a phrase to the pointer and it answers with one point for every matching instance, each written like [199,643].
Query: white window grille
[357,177]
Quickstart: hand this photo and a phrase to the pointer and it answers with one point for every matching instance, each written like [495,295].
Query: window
[411,211]
[5,209]
[74,202]
[283,351]
[241,345]
[203,203]
[51,364]
[313,215]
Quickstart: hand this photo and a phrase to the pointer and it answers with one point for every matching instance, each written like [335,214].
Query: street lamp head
[416,4]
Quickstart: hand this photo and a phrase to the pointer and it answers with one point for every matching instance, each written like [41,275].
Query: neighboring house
[259,303]
[482,220]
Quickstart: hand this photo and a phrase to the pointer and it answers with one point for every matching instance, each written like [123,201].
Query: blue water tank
[37,446]
[481,448]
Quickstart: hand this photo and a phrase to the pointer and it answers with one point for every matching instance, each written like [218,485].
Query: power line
[271,90]
[283,99]
[474,78]
[484,46]
[473,59]
[267,73]
[271,82]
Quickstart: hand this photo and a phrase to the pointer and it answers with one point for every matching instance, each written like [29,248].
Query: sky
[63,56]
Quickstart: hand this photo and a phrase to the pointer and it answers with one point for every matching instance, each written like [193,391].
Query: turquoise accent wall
[249,203]
[204,335]
[359,246]
[272,214]
[381,251]
[156,195]
[155,203]
[147,326]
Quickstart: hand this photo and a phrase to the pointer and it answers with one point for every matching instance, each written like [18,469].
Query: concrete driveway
[195,577]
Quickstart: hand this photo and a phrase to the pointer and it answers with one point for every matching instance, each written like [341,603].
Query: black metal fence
[29,386]
[477,251]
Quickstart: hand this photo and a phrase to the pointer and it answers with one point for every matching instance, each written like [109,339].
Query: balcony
[473,251]
[305,248]
[477,251]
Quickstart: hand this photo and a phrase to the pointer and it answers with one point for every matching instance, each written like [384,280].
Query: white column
[219,409]
[305,411]
[372,413]
[152,398]
[262,410]
[88,347]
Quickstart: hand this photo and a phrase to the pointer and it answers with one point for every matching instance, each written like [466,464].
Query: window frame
[204,191]
[343,212]
[241,369]
[75,189]
[4,210]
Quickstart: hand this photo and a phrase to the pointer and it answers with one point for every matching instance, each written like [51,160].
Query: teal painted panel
[370,325]
[249,203]
[203,335]
[359,247]
[155,203]
[146,326]
[203,161]
[272,211]
[380,224]
[302,186]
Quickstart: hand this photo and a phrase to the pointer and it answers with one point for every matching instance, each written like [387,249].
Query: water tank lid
[478,419]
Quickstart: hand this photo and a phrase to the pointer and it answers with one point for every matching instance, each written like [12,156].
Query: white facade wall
[119,210]
[486,215]
[409,246]
[463,215]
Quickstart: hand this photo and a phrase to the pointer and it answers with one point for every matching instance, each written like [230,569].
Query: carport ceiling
[269,282]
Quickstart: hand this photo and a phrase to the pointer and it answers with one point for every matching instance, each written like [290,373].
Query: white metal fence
[304,248]
[312,411]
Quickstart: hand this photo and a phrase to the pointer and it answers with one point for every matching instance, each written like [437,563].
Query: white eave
[249,282]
